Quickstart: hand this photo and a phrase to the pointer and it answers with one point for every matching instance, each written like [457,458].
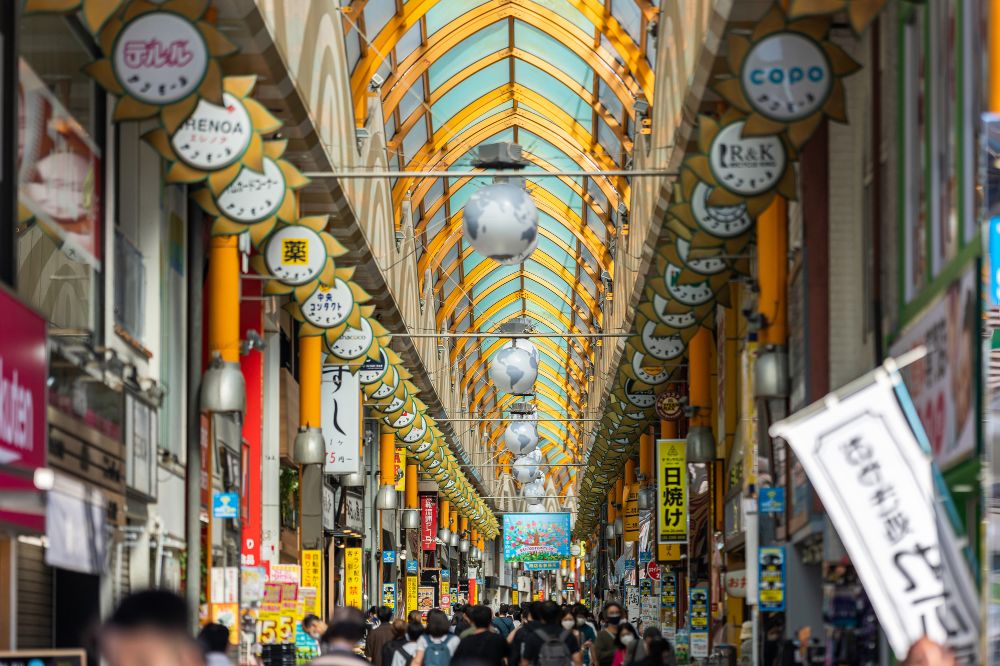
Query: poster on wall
[771,579]
[940,384]
[59,171]
[340,400]
[533,537]
[671,482]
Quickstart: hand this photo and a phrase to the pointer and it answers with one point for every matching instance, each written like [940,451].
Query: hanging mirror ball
[521,437]
[514,368]
[501,222]
[524,469]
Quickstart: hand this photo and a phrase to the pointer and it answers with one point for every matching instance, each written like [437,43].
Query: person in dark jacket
[379,636]
[397,641]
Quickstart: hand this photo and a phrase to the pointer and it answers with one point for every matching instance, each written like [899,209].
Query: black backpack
[504,625]
[554,651]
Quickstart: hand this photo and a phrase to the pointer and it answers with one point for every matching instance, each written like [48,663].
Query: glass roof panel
[410,102]
[553,90]
[568,12]
[608,140]
[414,141]
[408,43]
[535,41]
[492,112]
[609,100]
[495,276]
[629,16]
[491,322]
[541,148]
[377,13]
[474,47]
[556,252]
[445,11]
[551,384]
[562,191]
[469,90]
[558,228]
[495,296]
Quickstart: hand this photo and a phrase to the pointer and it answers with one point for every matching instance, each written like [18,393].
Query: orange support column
[772,258]
[224,298]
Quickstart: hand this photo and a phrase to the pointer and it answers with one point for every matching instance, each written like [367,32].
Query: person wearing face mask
[604,648]
[568,623]
[625,644]
[587,631]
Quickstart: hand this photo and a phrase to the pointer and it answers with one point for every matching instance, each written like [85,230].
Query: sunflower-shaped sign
[644,370]
[693,218]
[94,12]
[859,12]
[699,266]
[299,256]
[740,168]
[787,76]
[217,140]
[349,343]
[160,59]
[254,200]
[320,307]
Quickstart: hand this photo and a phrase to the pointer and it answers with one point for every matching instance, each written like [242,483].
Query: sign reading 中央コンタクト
[865,460]
[671,479]
[341,420]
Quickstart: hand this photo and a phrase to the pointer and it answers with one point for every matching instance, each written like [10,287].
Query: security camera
[376,82]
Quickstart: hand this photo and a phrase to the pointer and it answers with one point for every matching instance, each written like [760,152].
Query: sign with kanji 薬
[671,480]
[871,467]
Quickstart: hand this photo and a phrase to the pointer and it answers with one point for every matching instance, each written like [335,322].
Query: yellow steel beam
[604,63]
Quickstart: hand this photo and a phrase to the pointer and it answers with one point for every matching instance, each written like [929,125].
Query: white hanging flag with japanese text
[877,485]
[340,401]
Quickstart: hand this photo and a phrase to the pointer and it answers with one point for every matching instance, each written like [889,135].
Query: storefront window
[60,172]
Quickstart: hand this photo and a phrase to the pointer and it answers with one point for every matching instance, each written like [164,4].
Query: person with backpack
[404,654]
[397,641]
[483,647]
[549,644]
[502,622]
[437,646]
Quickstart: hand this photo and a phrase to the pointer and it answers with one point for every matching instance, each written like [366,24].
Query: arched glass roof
[561,79]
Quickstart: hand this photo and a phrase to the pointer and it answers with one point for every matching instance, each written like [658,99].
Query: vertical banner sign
[632,513]
[352,577]
[341,419]
[698,612]
[252,367]
[444,597]
[312,576]
[412,582]
[428,522]
[399,464]
[875,478]
[633,603]
[389,595]
[671,480]
[771,579]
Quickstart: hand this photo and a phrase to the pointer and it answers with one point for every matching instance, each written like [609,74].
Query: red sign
[653,570]
[252,365]
[24,371]
[428,522]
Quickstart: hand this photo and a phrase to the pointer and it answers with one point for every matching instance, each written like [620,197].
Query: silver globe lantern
[500,221]
[619,526]
[524,469]
[521,437]
[444,534]
[536,508]
[387,499]
[609,531]
[463,546]
[453,540]
[514,368]
[533,492]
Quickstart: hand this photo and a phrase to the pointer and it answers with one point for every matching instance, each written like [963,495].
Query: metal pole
[493,418]
[543,464]
[192,527]
[473,173]
[509,335]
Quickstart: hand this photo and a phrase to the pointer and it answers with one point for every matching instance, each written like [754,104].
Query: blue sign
[994,269]
[541,566]
[226,506]
[771,500]
[629,564]
[388,557]
[645,557]
[411,566]
[771,579]
[445,574]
